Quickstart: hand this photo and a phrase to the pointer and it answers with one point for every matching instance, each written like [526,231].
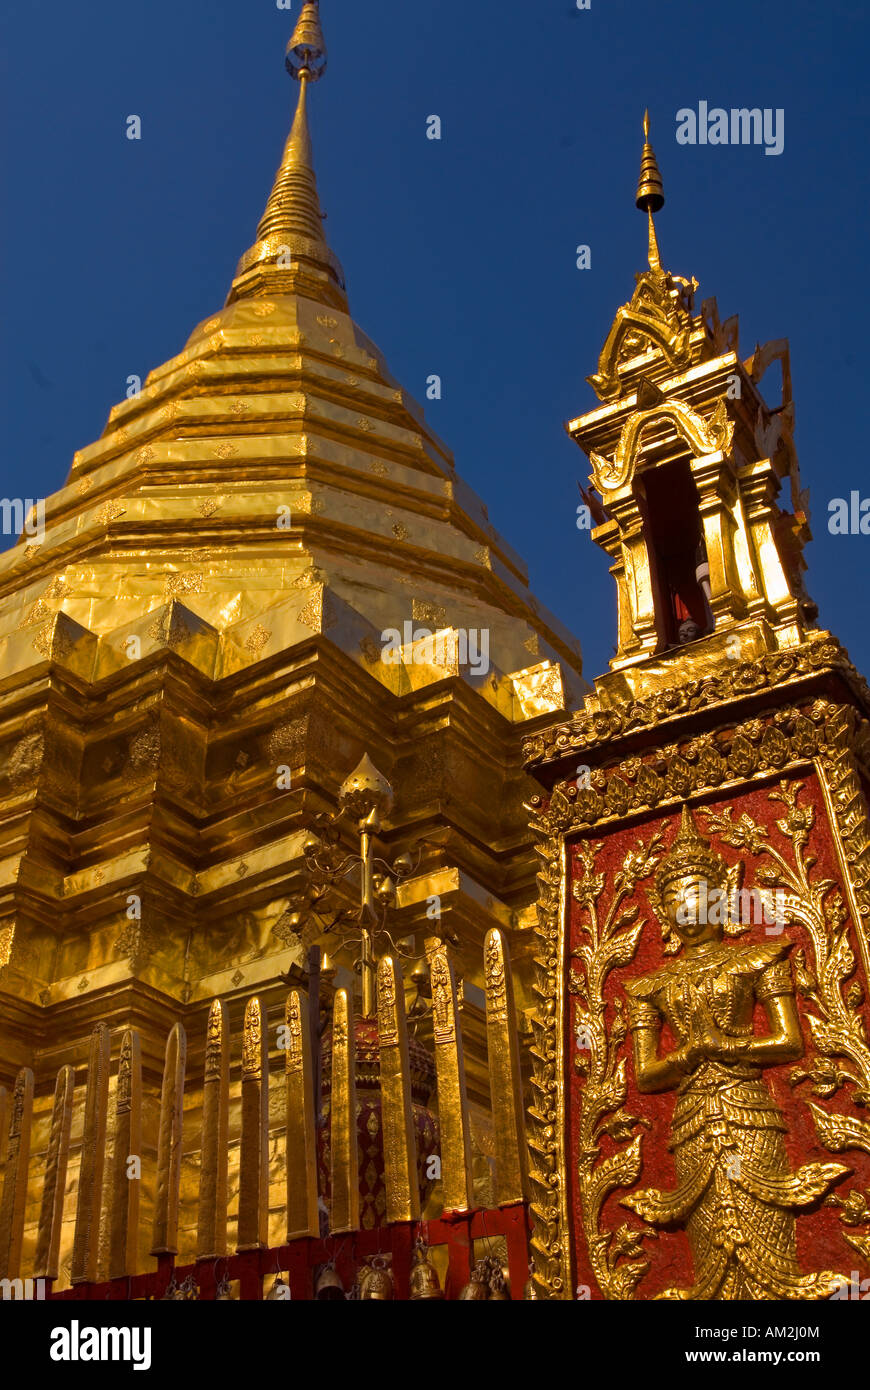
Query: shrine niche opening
[669,504]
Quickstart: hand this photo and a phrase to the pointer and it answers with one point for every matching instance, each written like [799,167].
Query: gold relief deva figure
[735,1196]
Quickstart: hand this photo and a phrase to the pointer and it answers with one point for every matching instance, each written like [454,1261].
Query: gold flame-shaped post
[253,1232]
[650,195]
[400,1143]
[456,1178]
[13,1204]
[303,1218]
[211,1240]
[45,1263]
[367,795]
[344,1151]
[505,1077]
[86,1241]
[126,1183]
[164,1230]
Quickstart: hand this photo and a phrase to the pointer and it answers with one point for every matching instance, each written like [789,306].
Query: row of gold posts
[302,1206]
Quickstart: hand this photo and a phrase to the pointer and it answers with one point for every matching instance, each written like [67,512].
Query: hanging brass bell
[424,1275]
[478,1285]
[225,1292]
[378,1284]
[279,1290]
[328,1284]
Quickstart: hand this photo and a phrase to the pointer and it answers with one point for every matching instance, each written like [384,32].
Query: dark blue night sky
[459,254]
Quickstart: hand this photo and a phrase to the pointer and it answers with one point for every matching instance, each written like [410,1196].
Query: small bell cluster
[374,1281]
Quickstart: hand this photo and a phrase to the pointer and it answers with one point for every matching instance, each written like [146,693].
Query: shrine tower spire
[650,197]
[689,461]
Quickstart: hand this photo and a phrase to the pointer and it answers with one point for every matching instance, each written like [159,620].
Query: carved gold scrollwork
[294,1061]
[656,315]
[251,1048]
[768,672]
[702,436]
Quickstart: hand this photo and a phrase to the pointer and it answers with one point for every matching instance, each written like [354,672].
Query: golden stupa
[197,653]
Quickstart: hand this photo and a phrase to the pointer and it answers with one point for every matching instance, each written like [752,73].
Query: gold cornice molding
[593,728]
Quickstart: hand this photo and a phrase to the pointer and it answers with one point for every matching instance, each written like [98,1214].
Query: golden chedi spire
[650,196]
[291,251]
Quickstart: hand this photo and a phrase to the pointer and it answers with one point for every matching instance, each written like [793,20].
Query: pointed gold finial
[650,196]
[291,252]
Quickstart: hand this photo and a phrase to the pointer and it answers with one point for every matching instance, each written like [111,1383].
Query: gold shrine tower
[523,1055]
[701,1059]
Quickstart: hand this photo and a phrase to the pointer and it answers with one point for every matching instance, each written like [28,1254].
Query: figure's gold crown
[691,853]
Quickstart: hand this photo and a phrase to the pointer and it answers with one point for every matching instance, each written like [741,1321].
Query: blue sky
[459,254]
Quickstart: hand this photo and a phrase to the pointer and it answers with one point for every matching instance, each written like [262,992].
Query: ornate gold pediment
[702,436]
[658,316]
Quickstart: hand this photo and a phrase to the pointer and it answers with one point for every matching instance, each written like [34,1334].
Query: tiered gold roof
[272,481]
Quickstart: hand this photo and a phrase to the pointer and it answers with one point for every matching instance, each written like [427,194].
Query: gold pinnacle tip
[306,51]
[650,189]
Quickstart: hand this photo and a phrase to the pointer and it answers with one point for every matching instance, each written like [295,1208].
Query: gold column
[253,1232]
[759,487]
[45,1263]
[344,1154]
[717,498]
[456,1180]
[12,1207]
[164,1231]
[211,1236]
[397,1119]
[636,571]
[303,1218]
[124,1218]
[86,1241]
[607,536]
[505,1078]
